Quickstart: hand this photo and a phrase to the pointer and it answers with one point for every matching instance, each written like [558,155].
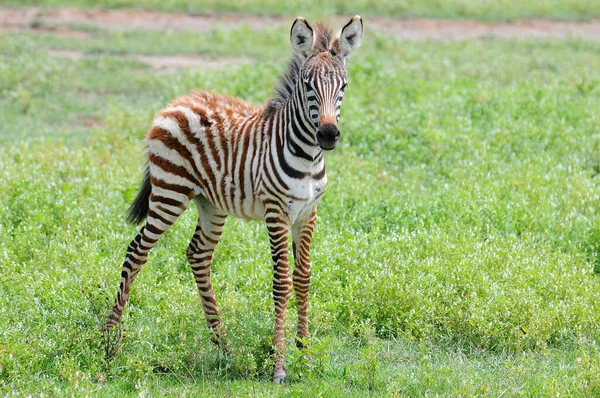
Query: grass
[456,251]
[480,9]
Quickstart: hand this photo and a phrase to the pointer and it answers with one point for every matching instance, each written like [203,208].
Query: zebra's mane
[288,79]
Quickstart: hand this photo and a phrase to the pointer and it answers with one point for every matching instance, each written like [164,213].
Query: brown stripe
[196,268]
[211,240]
[134,260]
[144,247]
[274,220]
[172,168]
[320,174]
[244,154]
[165,136]
[210,140]
[183,122]
[153,214]
[155,230]
[184,126]
[167,211]
[167,201]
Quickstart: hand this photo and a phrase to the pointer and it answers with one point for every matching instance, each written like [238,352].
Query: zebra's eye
[344,86]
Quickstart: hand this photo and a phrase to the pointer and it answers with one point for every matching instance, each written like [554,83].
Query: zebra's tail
[138,210]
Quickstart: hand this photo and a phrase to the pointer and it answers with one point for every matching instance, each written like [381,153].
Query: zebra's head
[323,73]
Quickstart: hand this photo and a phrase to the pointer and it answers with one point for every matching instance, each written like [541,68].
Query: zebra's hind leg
[162,213]
[199,253]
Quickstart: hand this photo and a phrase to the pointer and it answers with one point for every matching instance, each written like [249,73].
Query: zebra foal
[261,163]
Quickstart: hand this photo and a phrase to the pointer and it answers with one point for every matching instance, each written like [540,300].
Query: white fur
[350,37]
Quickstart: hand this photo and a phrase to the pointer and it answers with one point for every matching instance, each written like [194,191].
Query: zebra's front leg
[282,287]
[199,253]
[302,232]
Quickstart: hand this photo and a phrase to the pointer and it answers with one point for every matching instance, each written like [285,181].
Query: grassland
[457,250]
[480,9]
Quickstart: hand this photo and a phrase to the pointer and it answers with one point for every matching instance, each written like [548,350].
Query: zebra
[236,159]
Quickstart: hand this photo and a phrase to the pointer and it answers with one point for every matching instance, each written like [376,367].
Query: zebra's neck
[300,140]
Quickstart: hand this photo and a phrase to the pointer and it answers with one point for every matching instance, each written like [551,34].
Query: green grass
[479,9]
[456,252]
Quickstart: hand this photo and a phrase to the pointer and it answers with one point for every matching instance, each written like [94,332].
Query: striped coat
[260,163]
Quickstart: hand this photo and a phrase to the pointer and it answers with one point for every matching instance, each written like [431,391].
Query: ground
[456,250]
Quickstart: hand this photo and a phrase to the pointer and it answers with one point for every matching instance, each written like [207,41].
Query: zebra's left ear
[349,38]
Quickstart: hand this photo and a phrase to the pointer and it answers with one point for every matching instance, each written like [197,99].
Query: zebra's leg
[199,253]
[162,213]
[282,286]
[302,232]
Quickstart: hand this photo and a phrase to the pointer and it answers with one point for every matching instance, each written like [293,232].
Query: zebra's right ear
[301,36]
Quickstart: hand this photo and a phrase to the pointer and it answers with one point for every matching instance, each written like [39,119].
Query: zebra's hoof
[280,376]
[226,351]
[108,327]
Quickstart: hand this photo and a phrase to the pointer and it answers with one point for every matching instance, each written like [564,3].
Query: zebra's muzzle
[328,136]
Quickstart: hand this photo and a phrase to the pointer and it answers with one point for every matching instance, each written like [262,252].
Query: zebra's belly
[301,200]
[239,203]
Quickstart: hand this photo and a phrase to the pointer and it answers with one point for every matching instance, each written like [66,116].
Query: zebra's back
[210,145]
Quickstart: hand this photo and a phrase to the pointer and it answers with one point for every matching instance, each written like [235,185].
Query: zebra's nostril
[328,130]
[327,136]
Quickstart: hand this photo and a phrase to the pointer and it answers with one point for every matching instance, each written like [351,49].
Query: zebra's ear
[349,38]
[301,36]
